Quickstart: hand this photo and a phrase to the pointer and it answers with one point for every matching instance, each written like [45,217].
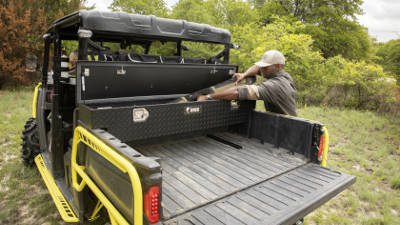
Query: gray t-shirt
[278,93]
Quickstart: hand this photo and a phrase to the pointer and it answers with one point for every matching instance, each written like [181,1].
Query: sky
[381,17]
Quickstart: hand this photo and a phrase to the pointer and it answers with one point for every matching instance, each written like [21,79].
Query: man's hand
[239,77]
[201,98]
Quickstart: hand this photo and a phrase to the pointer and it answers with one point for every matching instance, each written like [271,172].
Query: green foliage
[358,84]
[311,10]
[232,12]
[389,57]
[193,11]
[163,48]
[222,13]
[145,7]
[330,23]
[301,61]
[342,37]
[70,46]
[281,35]
[201,50]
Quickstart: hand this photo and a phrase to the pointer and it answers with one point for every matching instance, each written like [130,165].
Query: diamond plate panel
[166,119]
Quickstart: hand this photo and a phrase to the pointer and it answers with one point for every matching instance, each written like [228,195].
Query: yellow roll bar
[326,147]
[34,102]
[84,136]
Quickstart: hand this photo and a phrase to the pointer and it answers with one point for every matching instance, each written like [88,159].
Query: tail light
[151,204]
[321,148]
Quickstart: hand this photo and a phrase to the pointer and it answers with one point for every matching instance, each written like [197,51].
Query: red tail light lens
[151,204]
[321,147]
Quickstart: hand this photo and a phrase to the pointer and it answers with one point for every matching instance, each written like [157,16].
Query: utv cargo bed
[280,200]
[226,178]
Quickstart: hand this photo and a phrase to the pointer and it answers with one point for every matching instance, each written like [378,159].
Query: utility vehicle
[111,139]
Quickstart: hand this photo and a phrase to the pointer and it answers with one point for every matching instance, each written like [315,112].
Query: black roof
[117,25]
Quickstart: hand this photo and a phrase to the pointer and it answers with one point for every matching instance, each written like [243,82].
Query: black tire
[30,142]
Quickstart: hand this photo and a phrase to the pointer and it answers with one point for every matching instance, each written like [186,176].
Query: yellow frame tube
[326,147]
[34,102]
[95,212]
[84,136]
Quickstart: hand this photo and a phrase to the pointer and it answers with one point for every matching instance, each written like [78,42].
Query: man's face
[269,70]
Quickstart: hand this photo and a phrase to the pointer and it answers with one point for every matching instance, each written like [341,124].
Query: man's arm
[232,93]
[252,71]
[229,94]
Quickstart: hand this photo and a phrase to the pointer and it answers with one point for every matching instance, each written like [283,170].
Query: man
[277,91]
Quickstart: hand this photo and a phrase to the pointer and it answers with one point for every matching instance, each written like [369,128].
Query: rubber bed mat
[201,170]
[280,200]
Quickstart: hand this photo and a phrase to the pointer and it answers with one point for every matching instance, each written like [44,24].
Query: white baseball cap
[271,57]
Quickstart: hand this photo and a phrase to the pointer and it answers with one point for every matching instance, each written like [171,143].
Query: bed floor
[200,170]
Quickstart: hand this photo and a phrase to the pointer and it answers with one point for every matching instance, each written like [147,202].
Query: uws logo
[192,110]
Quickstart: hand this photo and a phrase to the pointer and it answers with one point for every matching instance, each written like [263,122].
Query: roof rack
[120,25]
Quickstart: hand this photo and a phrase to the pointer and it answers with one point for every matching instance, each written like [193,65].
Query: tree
[389,57]
[342,37]
[232,12]
[20,32]
[312,10]
[221,13]
[23,22]
[330,22]
[144,7]
[55,9]
[194,11]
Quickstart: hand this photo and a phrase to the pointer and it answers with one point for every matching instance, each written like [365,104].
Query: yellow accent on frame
[34,102]
[95,215]
[62,205]
[84,136]
[326,146]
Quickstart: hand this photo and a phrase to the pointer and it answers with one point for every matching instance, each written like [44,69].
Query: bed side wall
[294,134]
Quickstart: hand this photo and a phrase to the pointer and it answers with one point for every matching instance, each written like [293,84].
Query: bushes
[359,85]
[335,81]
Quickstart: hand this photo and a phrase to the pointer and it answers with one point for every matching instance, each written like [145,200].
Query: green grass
[23,196]
[395,184]
[364,144]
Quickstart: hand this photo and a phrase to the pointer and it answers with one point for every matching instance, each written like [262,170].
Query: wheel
[30,142]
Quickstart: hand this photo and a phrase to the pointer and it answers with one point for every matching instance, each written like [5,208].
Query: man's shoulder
[273,81]
[270,86]
[282,80]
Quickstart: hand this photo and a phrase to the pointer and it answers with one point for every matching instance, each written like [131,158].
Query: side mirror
[31,62]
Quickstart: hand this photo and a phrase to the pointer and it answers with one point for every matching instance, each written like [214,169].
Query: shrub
[359,85]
